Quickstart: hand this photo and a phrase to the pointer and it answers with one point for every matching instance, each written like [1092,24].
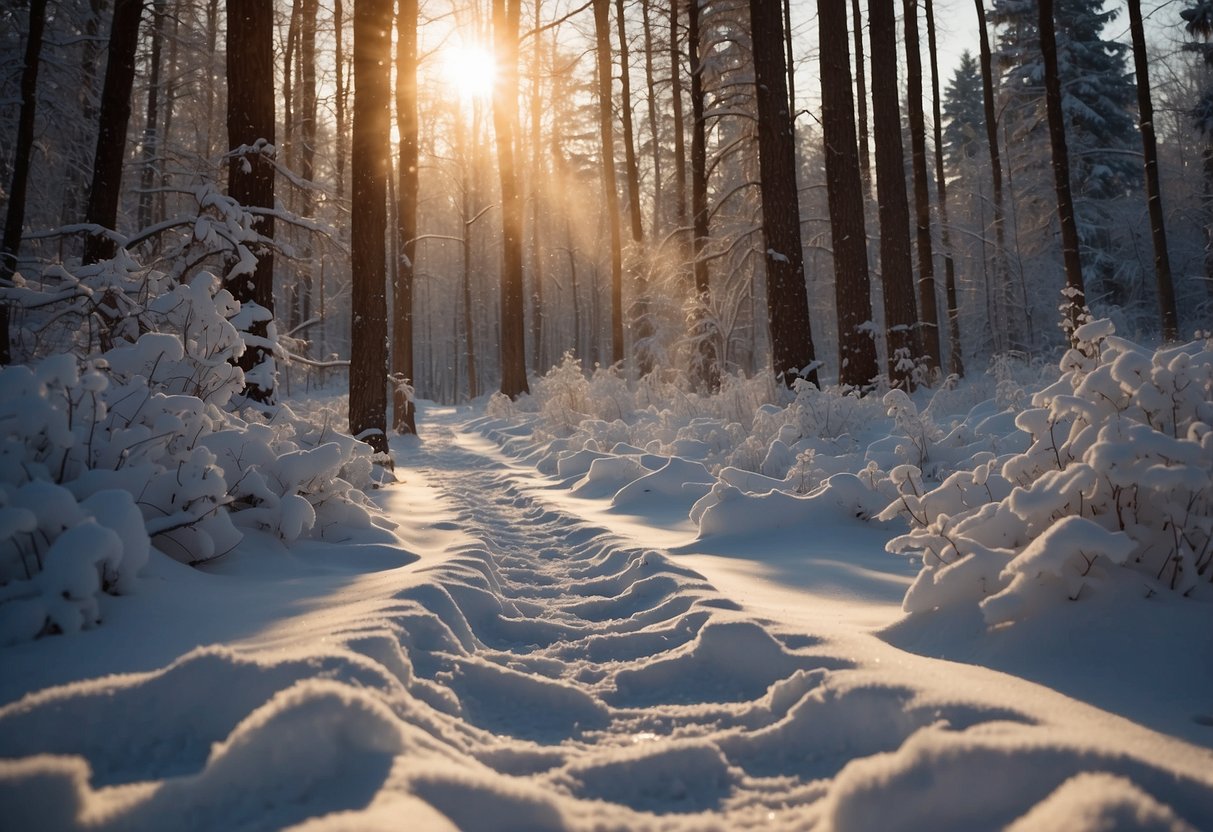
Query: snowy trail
[536,670]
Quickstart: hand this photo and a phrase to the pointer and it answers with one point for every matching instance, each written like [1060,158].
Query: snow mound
[656,775]
[729,661]
[984,778]
[1100,802]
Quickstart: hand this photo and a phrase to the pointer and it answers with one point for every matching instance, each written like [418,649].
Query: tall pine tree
[1099,100]
[964,120]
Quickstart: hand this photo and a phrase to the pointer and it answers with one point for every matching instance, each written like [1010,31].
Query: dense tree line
[767,198]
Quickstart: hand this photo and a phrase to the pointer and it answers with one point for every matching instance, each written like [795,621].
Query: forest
[593,180]
[606,414]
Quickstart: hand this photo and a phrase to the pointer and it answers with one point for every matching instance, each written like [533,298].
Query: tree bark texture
[1149,145]
[709,366]
[113,120]
[403,408]
[1075,302]
[792,354]
[506,16]
[537,180]
[680,151]
[651,99]
[610,191]
[638,312]
[250,136]
[928,309]
[369,165]
[955,358]
[14,218]
[896,272]
[147,178]
[857,362]
[340,94]
[1001,275]
[861,93]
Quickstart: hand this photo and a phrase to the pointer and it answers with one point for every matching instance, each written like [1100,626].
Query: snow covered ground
[538,651]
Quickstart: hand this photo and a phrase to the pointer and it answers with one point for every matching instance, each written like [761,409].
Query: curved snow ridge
[548,676]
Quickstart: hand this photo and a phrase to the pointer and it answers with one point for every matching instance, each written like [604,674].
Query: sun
[470,70]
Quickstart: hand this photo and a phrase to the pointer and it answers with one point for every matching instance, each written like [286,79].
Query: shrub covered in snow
[755,437]
[141,445]
[1118,471]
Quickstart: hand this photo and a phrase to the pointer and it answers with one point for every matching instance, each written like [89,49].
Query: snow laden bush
[596,412]
[1118,472]
[100,459]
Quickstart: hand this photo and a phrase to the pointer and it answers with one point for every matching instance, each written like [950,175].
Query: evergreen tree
[1099,107]
[14,218]
[964,119]
[1098,92]
[1198,21]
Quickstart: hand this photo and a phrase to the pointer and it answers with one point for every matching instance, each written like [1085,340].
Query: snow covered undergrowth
[533,670]
[1063,536]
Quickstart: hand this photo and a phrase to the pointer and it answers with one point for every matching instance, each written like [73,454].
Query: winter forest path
[615,675]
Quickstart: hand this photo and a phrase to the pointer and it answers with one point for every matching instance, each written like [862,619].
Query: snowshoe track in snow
[550,675]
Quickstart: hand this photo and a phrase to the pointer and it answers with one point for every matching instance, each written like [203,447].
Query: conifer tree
[1099,100]
[964,121]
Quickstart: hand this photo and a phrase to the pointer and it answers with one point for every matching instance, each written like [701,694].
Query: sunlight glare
[471,70]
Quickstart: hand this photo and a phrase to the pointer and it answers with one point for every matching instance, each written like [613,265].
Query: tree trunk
[537,178]
[955,358]
[709,362]
[14,219]
[792,355]
[789,62]
[307,144]
[212,47]
[148,177]
[403,408]
[654,135]
[1207,169]
[340,95]
[466,216]
[857,363]
[114,118]
[170,102]
[680,152]
[896,272]
[610,192]
[289,56]
[80,158]
[1158,228]
[506,15]
[631,170]
[250,136]
[928,308]
[639,310]
[861,93]
[987,90]
[1075,303]
[368,221]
